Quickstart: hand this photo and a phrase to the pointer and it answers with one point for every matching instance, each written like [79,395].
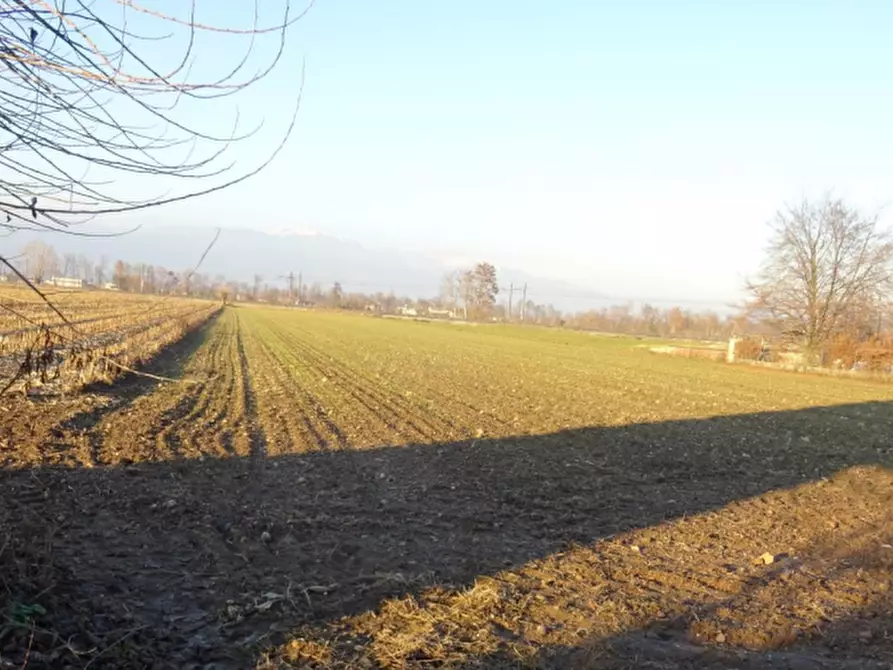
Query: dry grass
[104,335]
[711,354]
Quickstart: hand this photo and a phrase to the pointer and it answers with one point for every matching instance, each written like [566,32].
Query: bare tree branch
[93,92]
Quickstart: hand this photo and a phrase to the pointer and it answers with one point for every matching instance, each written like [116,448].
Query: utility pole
[291,285]
[511,294]
[300,287]
[511,291]
[524,302]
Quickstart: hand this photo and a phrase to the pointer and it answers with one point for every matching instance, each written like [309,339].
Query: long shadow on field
[830,608]
[206,560]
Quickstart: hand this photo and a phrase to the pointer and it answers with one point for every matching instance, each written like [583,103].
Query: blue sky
[636,148]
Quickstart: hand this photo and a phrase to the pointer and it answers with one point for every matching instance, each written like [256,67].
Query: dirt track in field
[343,492]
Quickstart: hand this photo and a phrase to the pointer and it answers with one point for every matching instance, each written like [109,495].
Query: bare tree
[479,289]
[69,265]
[95,93]
[825,265]
[466,288]
[451,288]
[336,294]
[101,270]
[41,260]
[84,268]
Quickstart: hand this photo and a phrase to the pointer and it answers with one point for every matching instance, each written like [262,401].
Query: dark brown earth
[309,497]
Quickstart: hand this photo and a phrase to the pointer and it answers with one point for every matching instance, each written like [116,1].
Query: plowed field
[324,490]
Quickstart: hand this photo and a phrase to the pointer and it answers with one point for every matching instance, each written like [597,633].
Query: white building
[65,282]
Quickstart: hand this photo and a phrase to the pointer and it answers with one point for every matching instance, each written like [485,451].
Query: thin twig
[28,651]
[121,640]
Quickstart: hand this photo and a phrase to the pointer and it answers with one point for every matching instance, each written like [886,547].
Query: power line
[292,279]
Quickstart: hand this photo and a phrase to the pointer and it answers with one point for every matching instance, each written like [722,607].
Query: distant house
[441,313]
[65,282]
[110,286]
[407,310]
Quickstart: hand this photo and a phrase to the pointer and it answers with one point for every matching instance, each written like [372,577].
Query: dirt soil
[290,504]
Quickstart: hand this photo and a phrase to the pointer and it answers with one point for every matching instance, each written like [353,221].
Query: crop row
[20,307]
[427,382]
[95,342]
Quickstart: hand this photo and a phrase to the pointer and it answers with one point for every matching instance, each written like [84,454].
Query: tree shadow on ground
[202,561]
[832,608]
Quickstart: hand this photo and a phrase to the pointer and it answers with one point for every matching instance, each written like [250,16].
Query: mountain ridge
[241,253]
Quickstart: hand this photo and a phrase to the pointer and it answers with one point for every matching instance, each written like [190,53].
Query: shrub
[847,352]
[748,349]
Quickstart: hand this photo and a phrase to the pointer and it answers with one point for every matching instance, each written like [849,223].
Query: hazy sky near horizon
[637,148]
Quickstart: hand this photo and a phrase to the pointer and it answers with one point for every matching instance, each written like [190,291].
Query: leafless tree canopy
[98,93]
[40,260]
[827,269]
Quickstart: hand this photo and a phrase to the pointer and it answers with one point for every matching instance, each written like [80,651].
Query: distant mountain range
[239,254]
